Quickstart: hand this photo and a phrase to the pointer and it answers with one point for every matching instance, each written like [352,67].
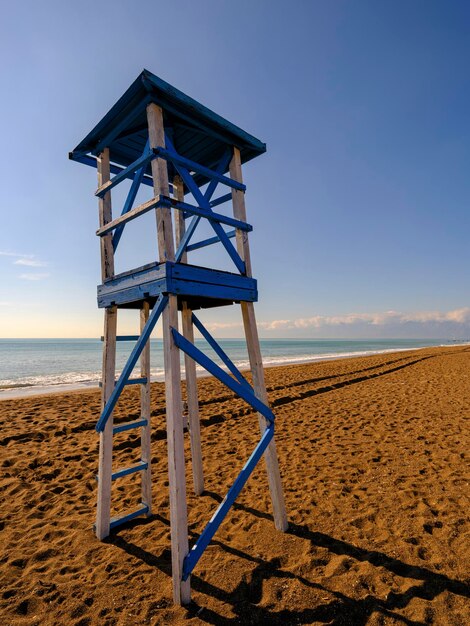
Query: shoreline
[26,391]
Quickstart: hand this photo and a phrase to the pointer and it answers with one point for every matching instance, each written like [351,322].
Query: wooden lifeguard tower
[155,134]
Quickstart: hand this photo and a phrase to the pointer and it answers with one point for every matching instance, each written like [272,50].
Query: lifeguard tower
[156,135]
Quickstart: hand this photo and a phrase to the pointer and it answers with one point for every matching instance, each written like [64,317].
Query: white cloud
[34,276]
[30,262]
[15,254]
[223,325]
[458,316]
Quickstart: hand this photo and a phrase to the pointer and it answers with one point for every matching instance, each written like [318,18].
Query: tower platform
[199,287]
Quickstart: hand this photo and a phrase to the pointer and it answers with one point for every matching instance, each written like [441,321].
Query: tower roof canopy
[197,132]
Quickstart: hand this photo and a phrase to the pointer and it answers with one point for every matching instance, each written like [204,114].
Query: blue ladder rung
[122,519]
[136,381]
[129,426]
[130,381]
[124,337]
[125,471]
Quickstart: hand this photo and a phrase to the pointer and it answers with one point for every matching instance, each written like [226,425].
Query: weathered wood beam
[254,353]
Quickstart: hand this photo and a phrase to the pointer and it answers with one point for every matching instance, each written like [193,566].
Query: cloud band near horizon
[457,316]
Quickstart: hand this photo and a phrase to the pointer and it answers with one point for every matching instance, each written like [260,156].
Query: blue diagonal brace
[205,362]
[202,202]
[223,356]
[202,542]
[222,166]
[142,161]
[208,242]
[138,176]
[170,154]
[132,360]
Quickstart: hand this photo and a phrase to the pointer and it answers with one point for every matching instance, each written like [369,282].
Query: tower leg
[189,364]
[193,405]
[254,352]
[103,512]
[270,456]
[174,415]
[145,414]
[176,469]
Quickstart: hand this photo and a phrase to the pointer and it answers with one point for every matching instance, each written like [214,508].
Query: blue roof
[198,133]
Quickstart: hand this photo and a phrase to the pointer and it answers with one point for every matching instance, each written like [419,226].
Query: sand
[374,460]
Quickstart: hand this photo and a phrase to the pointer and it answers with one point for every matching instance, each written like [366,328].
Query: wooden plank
[105,459]
[193,404]
[210,215]
[221,200]
[130,169]
[223,356]
[176,286]
[129,203]
[171,358]
[134,271]
[166,248]
[190,165]
[241,390]
[208,242]
[127,217]
[157,310]
[115,169]
[195,273]
[105,216]
[189,365]
[204,202]
[208,193]
[254,352]
[103,511]
[179,279]
[130,294]
[122,519]
[219,292]
[224,507]
[180,226]
[141,466]
[145,415]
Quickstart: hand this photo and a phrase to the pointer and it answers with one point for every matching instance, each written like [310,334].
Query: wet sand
[374,459]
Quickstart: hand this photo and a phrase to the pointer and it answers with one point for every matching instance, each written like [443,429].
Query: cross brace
[242,390]
[135,354]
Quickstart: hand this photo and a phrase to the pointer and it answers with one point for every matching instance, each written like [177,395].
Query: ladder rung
[129,426]
[122,519]
[124,337]
[131,381]
[137,381]
[125,471]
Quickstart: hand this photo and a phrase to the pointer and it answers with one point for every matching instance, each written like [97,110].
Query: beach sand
[374,459]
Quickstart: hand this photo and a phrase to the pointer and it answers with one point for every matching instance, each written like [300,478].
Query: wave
[85,379]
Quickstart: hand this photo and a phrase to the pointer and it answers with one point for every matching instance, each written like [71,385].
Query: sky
[359,207]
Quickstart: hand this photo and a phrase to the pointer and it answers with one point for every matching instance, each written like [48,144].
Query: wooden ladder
[106,475]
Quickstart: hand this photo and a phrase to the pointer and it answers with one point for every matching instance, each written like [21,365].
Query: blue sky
[360,206]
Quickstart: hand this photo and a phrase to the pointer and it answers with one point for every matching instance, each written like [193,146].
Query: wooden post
[254,351]
[174,417]
[145,414]
[103,512]
[189,365]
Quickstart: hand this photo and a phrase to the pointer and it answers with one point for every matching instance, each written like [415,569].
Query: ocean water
[43,365]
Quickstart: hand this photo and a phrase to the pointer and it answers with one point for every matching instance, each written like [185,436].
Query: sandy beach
[374,460]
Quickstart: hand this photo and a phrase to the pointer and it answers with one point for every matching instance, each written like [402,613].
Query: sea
[33,366]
